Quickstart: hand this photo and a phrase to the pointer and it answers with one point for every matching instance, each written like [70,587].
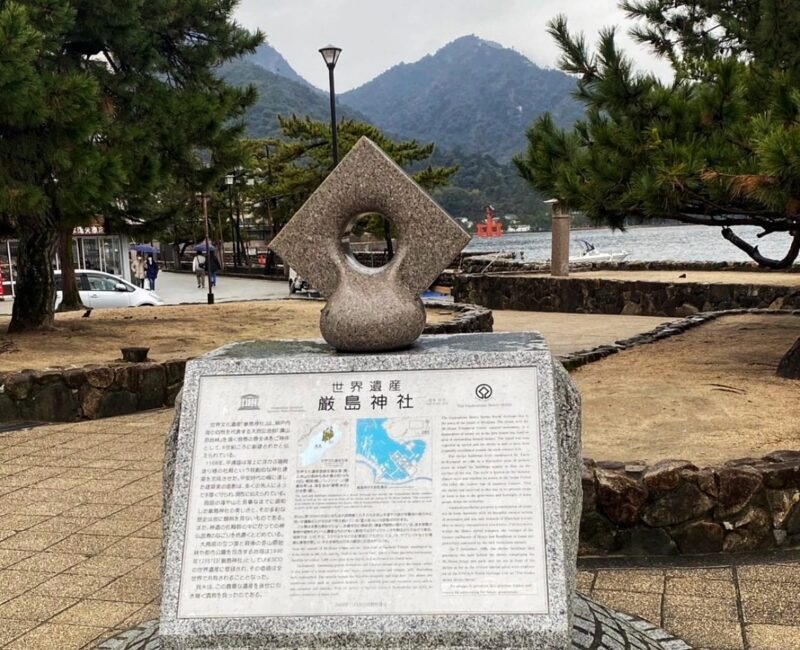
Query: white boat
[519,227]
[591,255]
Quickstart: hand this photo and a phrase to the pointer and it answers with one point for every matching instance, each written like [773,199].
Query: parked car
[101,290]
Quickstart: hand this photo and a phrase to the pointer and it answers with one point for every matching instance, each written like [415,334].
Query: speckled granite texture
[595,627]
[370,309]
[559,415]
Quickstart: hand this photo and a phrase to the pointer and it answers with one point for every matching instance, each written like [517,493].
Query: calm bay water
[659,243]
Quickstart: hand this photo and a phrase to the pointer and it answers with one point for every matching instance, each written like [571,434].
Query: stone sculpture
[368,309]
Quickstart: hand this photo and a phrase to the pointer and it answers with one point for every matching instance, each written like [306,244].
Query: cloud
[377,34]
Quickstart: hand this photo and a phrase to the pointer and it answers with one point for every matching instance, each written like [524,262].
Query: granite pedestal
[502,395]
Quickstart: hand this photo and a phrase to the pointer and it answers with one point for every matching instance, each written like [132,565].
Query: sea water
[657,243]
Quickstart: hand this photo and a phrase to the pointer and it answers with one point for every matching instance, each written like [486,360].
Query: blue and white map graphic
[393,451]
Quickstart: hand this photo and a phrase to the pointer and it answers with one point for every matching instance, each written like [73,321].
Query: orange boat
[491,227]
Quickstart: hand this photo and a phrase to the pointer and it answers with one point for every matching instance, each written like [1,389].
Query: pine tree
[718,146]
[103,104]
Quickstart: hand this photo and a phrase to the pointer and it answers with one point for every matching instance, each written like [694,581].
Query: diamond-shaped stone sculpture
[370,309]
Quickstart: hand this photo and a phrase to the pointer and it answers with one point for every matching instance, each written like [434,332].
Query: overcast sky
[376,34]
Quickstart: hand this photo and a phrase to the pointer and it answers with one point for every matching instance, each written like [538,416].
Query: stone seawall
[511,262]
[628,297]
[673,507]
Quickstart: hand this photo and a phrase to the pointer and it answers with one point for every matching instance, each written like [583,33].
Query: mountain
[279,95]
[271,60]
[472,94]
[481,179]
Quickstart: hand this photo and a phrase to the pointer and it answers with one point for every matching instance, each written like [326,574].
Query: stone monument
[331,496]
[370,309]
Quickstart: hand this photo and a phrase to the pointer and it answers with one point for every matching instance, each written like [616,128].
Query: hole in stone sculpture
[370,240]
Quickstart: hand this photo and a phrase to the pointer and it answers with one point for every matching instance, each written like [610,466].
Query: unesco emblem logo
[249,402]
[483,391]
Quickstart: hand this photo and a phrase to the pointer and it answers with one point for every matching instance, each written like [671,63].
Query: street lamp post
[229,180]
[331,56]
[208,251]
[250,182]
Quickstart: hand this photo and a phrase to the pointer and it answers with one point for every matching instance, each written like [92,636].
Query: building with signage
[91,249]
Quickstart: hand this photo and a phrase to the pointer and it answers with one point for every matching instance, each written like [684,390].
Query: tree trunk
[70,298]
[387,236]
[766,262]
[36,292]
[789,367]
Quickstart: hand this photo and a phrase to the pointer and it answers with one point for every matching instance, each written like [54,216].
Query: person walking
[213,268]
[199,268]
[138,270]
[151,271]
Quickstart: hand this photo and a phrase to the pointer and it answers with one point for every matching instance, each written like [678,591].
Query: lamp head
[331,55]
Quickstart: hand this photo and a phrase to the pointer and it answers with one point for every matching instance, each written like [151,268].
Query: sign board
[400,492]
[401,500]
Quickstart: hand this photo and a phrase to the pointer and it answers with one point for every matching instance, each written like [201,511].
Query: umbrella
[201,248]
[144,248]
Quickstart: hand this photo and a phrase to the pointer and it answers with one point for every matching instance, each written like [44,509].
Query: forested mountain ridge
[471,94]
[279,95]
[271,60]
[480,180]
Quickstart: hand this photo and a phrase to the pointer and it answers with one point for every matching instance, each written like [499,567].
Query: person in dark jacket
[151,272]
[213,263]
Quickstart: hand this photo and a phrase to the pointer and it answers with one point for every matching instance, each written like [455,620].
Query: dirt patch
[708,395]
[179,331]
[567,333]
[703,277]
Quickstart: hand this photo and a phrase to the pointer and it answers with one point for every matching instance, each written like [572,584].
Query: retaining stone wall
[466,319]
[673,507]
[582,357]
[512,262]
[627,297]
[90,392]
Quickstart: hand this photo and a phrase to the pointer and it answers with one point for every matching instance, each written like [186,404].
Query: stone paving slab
[80,557]
[733,602]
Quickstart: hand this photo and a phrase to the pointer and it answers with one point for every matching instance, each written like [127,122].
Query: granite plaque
[404,492]
[417,499]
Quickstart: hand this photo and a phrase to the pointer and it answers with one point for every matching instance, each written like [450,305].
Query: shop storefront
[91,249]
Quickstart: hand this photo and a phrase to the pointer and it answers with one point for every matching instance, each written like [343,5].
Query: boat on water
[590,254]
[518,227]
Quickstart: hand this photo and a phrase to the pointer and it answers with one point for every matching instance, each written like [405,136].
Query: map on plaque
[346,493]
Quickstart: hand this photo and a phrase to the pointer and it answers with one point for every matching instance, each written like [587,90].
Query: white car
[100,290]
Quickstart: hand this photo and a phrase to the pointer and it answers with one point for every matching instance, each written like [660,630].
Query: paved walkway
[729,602]
[176,288]
[80,543]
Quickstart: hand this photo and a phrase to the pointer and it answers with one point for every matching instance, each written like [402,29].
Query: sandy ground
[571,332]
[707,396]
[710,277]
[170,332]
[190,330]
